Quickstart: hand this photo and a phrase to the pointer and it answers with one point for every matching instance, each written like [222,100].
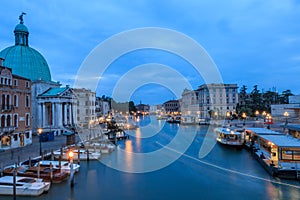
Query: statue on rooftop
[21,18]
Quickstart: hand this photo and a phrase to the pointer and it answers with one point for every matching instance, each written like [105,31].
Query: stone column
[70,113]
[65,113]
[39,115]
[44,115]
[60,115]
[53,115]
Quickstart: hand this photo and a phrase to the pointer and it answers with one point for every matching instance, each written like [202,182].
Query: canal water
[177,172]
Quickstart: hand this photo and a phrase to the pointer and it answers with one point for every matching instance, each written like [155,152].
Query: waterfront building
[142,109]
[217,100]
[15,115]
[189,105]
[155,109]
[102,107]
[292,108]
[85,108]
[29,63]
[56,110]
[172,107]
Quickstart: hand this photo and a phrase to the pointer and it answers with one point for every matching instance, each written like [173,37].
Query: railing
[7,129]
[6,108]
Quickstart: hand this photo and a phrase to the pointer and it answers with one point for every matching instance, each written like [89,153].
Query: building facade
[102,107]
[217,100]
[56,110]
[15,116]
[172,107]
[142,109]
[292,108]
[85,108]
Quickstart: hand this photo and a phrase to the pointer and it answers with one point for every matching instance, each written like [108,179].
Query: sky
[251,42]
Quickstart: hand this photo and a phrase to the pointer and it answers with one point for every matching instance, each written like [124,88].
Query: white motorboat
[25,186]
[83,154]
[229,137]
[65,166]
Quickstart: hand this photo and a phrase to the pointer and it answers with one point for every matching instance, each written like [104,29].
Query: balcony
[8,129]
[7,108]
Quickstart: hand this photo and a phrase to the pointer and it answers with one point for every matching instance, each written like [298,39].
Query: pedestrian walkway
[11,156]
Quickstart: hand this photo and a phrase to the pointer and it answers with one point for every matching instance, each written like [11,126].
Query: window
[27,101]
[15,82]
[27,122]
[16,120]
[8,121]
[15,100]
[27,84]
[15,137]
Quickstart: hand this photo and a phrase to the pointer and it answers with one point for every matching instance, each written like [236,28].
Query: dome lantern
[21,32]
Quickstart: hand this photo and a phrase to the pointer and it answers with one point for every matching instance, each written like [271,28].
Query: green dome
[27,62]
[24,60]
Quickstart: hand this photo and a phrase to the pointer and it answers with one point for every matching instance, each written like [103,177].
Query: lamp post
[71,155]
[286,115]
[40,130]
[268,120]
[256,114]
[228,118]
[244,118]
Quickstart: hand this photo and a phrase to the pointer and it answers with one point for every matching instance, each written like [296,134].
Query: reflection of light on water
[138,135]
[128,154]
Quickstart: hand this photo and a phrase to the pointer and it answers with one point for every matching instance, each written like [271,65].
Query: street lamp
[40,130]
[244,117]
[256,114]
[216,115]
[286,115]
[71,155]
[228,117]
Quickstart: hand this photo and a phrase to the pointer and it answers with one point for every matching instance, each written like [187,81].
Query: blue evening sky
[251,41]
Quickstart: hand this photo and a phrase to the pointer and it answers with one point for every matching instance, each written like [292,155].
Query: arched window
[3,101]
[27,120]
[7,101]
[3,121]
[16,120]
[8,121]
[27,101]
[16,100]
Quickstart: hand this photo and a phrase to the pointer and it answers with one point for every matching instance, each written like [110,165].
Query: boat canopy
[282,141]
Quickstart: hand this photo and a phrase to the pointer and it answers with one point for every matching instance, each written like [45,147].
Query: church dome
[21,27]
[24,60]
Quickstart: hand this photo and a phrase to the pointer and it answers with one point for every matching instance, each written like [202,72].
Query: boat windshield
[26,180]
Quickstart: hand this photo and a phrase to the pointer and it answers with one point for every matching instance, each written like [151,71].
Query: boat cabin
[280,148]
[252,135]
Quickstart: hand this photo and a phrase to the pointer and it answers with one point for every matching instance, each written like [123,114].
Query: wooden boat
[56,176]
[25,186]
[62,165]
[229,137]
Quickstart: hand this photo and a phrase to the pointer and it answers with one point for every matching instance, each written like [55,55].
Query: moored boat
[79,153]
[64,166]
[229,137]
[54,175]
[25,186]
[174,120]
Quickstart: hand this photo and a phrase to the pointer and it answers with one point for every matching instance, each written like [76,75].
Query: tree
[284,97]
